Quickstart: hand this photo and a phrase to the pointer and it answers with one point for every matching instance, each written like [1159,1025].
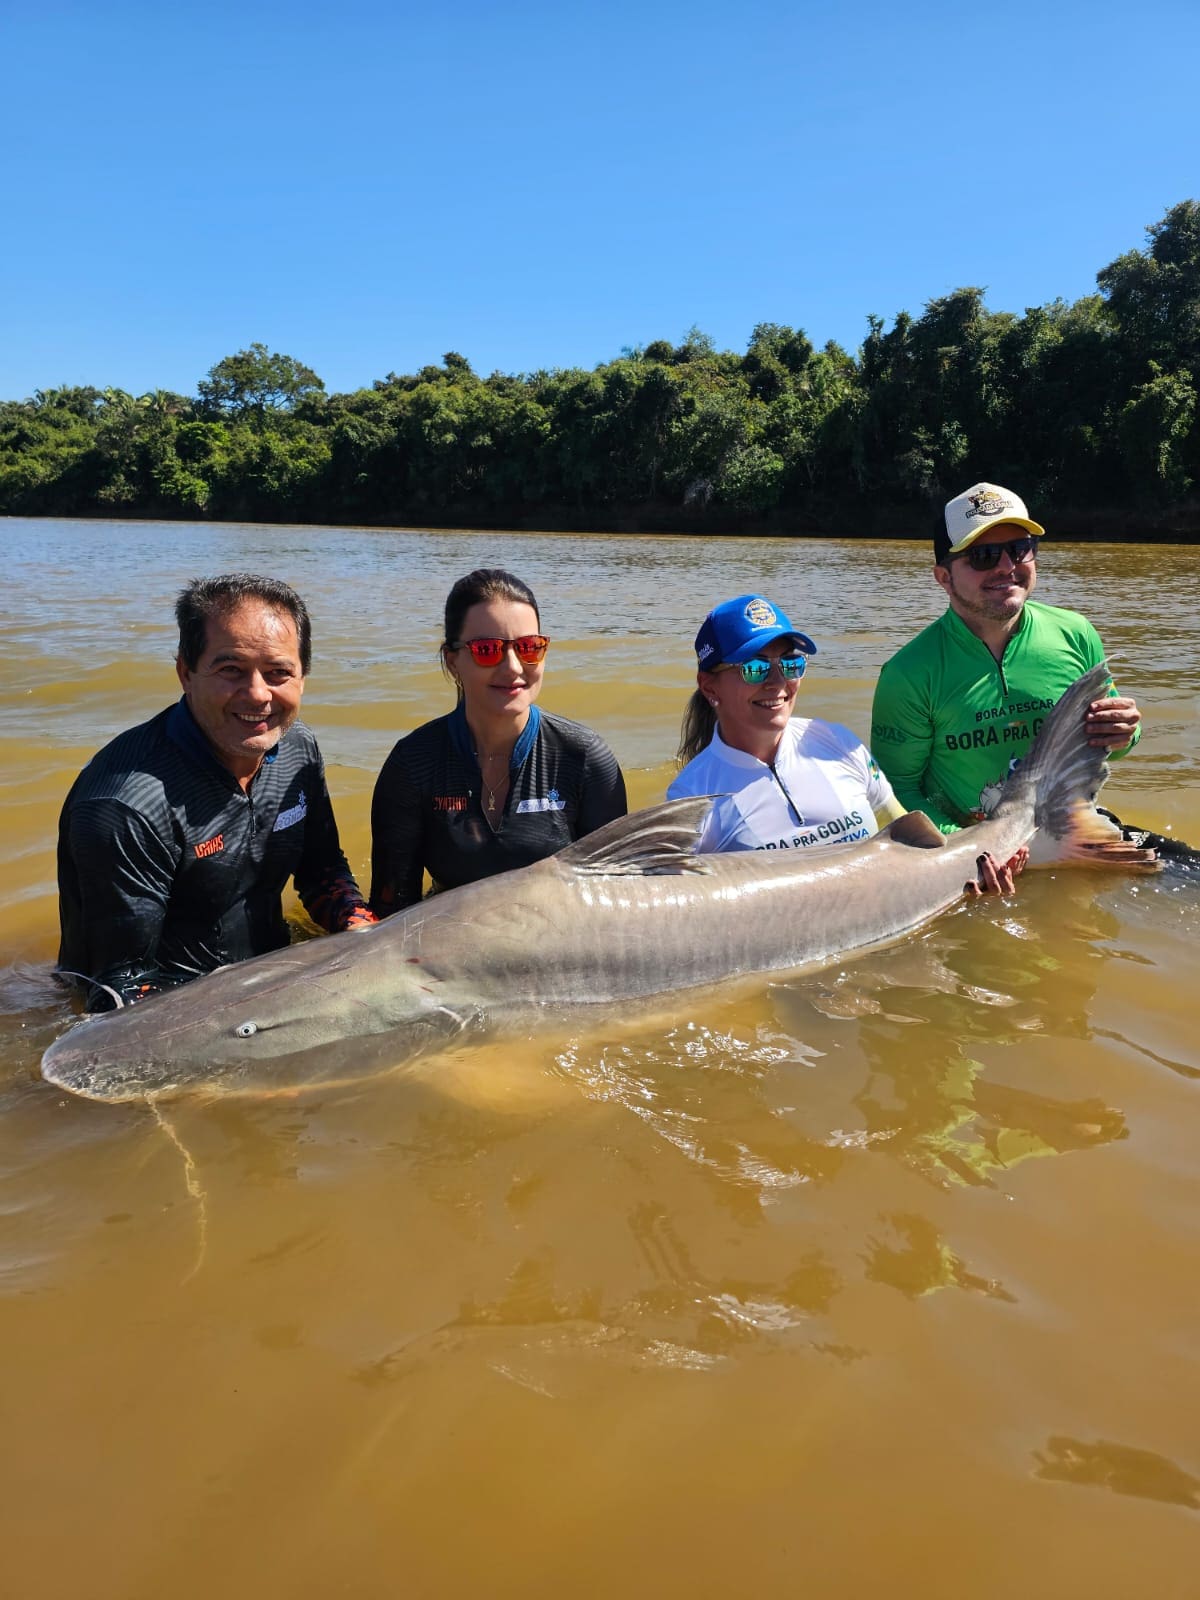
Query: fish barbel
[628,913]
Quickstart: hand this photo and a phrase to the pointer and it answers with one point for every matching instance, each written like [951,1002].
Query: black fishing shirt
[167,868]
[428,815]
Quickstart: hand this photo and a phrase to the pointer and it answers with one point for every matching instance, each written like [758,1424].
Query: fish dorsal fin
[658,840]
[914,828]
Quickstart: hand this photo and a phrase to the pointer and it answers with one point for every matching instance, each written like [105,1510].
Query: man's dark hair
[212,597]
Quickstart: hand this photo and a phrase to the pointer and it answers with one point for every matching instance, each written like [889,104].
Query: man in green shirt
[960,704]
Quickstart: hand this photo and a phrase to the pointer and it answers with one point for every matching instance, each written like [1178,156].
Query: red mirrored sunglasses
[530,648]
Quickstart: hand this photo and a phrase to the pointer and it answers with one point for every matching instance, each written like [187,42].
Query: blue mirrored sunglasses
[758,668]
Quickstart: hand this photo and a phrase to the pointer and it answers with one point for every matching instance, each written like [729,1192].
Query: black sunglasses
[983,557]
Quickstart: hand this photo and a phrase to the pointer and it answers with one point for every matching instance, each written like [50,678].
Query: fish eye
[244,1030]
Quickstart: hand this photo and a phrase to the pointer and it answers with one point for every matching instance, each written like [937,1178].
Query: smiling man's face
[245,690]
[994,596]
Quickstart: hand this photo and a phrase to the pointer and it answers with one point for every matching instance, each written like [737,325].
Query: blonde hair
[699,724]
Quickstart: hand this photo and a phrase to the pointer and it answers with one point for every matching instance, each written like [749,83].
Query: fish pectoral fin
[660,839]
[914,828]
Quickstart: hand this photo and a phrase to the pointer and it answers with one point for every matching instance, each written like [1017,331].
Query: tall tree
[1153,295]
[255,382]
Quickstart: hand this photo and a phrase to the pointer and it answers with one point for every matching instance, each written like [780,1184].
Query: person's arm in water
[994,877]
[881,797]
[603,798]
[324,881]
[397,839]
[124,872]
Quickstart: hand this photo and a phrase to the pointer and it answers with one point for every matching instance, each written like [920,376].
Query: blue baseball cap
[738,629]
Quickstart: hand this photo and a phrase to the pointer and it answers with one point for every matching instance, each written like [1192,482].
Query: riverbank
[1175,524]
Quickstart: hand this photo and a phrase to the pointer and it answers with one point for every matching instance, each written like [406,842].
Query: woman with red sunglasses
[782,782]
[497,783]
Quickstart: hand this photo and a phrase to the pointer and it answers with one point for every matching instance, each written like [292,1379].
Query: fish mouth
[123,1057]
[90,1075]
[90,1060]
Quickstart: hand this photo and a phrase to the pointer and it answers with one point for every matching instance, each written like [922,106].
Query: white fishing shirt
[823,787]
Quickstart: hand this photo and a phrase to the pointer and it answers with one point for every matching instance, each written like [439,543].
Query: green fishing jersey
[950,722]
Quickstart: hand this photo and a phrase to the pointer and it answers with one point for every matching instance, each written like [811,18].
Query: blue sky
[365,186]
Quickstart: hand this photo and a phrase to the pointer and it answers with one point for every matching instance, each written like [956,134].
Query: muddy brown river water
[878,1282]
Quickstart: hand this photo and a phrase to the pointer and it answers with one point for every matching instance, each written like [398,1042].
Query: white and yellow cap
[981,507]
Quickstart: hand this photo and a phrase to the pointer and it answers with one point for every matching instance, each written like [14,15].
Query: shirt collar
[971,639]
[184,730]
[741,758]
[460,733]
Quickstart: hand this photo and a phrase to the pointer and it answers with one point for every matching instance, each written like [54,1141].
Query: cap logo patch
[704,653]
[987,503]
[759,614]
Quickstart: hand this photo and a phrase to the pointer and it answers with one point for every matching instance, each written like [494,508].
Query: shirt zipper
[786,795]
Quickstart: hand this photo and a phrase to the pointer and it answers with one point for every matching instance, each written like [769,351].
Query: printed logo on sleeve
[294,814]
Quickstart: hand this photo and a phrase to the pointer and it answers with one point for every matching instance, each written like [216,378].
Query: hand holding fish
[995,878]
[361,917]
[1112,722]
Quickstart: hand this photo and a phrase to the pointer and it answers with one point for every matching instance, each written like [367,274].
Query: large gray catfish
[623,915]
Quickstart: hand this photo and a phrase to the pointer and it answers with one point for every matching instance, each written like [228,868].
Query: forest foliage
[1085,407]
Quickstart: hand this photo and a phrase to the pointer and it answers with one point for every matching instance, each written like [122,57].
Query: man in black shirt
[177,839]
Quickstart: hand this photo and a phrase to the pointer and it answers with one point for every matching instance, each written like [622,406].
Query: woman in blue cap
[786,783]
[782,782]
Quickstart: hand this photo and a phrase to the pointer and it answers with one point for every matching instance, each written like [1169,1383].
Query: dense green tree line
[1083,407]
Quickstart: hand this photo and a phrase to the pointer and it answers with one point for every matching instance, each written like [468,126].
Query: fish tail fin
[1061,777]
[1090,840]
